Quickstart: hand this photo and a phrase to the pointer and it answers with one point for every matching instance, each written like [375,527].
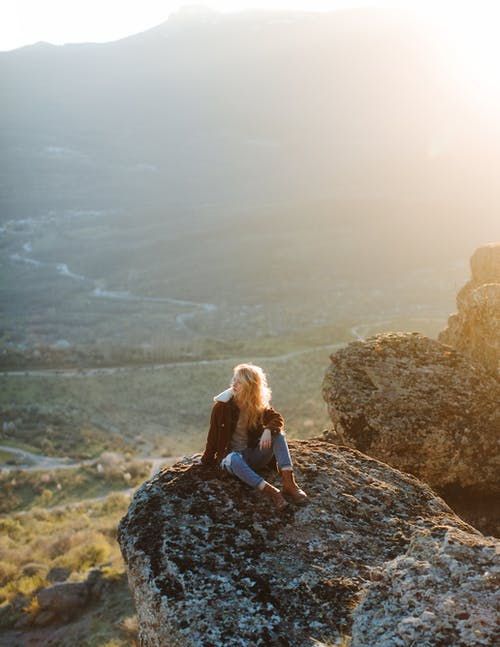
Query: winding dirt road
[33,462]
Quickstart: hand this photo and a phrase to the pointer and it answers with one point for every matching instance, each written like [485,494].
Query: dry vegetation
[77,537]
[50,520]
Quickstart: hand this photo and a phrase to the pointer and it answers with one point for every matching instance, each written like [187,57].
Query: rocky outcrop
[413,600]
[58,574]
[211,564]
[64,600]
[64,597]
[420,406]
[475,329]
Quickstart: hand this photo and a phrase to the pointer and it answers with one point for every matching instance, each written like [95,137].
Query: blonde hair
[254,395]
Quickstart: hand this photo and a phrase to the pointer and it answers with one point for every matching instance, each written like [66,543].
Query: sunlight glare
[471,38]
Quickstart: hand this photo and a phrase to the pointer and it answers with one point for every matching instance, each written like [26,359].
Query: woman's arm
[213,434]
[273,423]
[273,420]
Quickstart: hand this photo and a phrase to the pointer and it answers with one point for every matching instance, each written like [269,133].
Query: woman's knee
[232,461]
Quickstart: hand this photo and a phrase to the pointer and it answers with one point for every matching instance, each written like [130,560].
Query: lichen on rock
[431,596]
[420,406]
[210,563]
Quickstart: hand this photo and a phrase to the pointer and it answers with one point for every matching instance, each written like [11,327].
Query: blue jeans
[242,464]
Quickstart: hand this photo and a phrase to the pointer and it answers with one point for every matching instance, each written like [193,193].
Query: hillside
[235,177]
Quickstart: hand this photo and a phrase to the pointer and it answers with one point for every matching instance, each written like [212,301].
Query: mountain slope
[250,107]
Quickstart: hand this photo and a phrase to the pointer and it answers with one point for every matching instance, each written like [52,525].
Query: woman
[246,433]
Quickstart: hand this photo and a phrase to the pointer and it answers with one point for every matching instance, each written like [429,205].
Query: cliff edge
[374,553]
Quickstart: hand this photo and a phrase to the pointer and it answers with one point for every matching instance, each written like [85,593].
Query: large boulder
[420,406]
[211,564]
[475,328]
[64,597]
[58,574]
[412,600]
[64,600]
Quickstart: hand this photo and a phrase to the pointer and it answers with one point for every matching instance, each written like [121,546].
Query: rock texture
[64,600]
[419,597]
[211,564]
[475,328]
[421,407]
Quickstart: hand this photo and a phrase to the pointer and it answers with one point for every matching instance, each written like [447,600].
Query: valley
[110,356]
[215,190]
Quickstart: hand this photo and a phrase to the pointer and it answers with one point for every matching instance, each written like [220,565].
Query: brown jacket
[223,424]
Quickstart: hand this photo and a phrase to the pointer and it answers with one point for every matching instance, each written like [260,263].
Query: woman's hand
[265,439]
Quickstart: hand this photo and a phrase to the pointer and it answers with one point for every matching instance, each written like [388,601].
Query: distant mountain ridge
[251,107]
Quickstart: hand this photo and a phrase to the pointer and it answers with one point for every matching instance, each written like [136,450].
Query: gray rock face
[420,598]
[475,329]
[211,564]
[419,406]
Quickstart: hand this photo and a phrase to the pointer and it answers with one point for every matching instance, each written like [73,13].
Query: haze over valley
[199,178]
[222,188]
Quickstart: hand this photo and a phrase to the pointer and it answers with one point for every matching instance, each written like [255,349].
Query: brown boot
[291,489]
[274,495]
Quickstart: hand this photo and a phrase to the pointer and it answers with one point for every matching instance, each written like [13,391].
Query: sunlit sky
[469,29]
